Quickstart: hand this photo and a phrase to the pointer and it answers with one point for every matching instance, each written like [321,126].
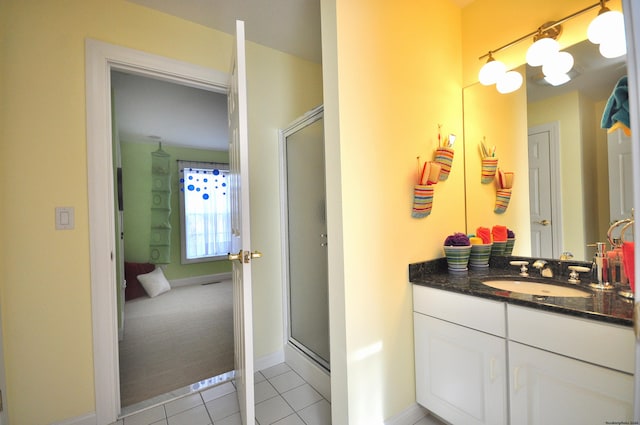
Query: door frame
[553,128]
[100,59]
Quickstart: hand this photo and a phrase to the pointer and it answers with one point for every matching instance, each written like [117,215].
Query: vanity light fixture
[491,71]
[607,29]
[495,72]
[544,44]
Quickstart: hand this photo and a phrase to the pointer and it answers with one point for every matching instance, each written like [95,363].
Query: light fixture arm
[548,26]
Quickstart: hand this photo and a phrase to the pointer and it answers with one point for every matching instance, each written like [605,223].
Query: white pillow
[154,283]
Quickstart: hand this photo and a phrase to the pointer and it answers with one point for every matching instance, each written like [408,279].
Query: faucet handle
[523,266]
[538,264]
[574,276]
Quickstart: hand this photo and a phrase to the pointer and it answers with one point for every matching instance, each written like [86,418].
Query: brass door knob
[237,256]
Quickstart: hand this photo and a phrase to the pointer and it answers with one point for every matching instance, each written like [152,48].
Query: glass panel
[307,231]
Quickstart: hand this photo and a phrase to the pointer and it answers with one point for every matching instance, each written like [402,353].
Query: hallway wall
[45,276]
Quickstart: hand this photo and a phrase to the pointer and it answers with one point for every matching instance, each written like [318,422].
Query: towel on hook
[617,107]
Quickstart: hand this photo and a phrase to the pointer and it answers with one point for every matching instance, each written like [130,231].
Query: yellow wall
[44,279]
[387,87]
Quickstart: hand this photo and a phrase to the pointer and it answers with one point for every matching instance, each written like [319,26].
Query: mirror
[568,188]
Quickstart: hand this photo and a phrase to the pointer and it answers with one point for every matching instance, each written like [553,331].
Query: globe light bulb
[509,82]
[542,49]
[558,64]
[604,25]
[491,72]
[613,49]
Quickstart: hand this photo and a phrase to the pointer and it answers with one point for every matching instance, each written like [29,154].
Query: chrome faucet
[543,267]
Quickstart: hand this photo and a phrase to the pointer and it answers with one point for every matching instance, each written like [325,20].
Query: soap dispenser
[599,268]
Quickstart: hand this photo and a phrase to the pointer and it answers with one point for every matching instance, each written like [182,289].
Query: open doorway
[182,339]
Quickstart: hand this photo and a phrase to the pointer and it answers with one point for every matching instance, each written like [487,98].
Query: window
[205,214]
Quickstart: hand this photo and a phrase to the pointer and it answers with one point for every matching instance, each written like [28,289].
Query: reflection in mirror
[551,137]
[499,120]
[575,191]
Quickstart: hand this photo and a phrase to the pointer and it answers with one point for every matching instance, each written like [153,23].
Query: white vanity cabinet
[460,369]
[568,370]
[477,359]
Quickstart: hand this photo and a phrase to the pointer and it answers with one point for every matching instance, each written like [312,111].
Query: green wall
[136,177]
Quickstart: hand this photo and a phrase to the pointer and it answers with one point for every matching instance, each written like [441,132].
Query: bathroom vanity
[486,356]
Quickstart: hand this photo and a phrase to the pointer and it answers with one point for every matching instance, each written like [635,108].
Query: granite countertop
[604,306]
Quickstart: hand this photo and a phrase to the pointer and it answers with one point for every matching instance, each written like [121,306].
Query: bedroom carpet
[176,339]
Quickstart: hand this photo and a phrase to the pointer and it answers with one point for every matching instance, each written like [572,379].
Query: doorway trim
[100,59]
[553,128]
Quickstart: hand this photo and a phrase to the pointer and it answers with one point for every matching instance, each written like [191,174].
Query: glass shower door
[307,238]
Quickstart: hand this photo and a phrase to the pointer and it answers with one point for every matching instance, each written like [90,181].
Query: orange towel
[499,233]
[484,234]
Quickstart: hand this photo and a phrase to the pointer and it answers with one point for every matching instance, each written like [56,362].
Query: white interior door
[620,177]
[240,227]
[543,193]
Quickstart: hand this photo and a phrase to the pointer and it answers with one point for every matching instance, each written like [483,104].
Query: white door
[541,188]
[240,228]
[620,177]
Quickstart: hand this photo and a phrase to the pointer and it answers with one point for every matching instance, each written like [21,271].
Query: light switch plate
[64,218]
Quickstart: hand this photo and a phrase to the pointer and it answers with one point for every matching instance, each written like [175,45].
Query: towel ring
[625,223]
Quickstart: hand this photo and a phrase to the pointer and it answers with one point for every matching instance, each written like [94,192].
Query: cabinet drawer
[604,344]
[476,313]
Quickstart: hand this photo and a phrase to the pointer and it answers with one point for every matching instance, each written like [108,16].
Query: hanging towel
[627,262]
[617,107]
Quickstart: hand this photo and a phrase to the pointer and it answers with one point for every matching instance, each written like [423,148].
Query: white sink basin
[536,288]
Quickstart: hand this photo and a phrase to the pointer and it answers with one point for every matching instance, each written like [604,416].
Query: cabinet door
[547,389]
[460,372]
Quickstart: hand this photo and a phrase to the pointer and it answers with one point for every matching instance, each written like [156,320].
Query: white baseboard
[88,419]
[319,378]
[199,280]
[409,416]
[269,360]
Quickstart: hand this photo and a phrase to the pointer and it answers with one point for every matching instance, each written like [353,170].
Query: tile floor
[282,398]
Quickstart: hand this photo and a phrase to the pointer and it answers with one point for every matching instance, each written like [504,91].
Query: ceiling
[592,75]
[291,26]
[150,110]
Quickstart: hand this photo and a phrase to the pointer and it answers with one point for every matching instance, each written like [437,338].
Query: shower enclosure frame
[306,120]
